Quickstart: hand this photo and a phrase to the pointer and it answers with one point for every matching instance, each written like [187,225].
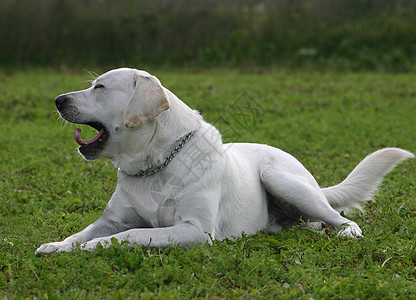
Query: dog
[179,184]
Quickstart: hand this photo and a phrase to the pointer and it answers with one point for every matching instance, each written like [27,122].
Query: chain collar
[167,160]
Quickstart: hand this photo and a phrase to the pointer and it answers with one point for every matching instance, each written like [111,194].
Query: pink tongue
[91,141]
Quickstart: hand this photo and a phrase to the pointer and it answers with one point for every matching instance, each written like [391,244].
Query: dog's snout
[60,101]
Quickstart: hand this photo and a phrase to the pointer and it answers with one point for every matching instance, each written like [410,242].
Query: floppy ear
[146,103]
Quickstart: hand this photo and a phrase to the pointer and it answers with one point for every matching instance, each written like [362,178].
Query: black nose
[60,101]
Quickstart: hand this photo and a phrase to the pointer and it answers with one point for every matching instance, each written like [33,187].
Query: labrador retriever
[178,183]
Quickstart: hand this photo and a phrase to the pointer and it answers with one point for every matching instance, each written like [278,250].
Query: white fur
[210,189]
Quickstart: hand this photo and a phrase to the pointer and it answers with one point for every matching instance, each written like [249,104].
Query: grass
[349,34]
[329,121]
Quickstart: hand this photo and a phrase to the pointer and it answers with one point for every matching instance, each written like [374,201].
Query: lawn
[329,121]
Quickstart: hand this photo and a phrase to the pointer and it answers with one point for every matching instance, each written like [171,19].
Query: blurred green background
[337,34]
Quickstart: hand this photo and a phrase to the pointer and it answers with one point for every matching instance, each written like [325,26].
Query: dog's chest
[155,198]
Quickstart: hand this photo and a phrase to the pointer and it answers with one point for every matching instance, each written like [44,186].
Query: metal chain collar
[167,160]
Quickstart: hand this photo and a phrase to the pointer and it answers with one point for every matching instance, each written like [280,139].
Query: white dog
[177,182]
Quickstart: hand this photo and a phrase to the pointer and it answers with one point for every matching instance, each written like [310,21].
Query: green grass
[319,34]
[328,121]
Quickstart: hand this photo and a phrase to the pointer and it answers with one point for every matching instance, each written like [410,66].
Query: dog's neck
[166,161]
[164,134]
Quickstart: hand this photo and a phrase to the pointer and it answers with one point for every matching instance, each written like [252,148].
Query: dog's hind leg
[290,182]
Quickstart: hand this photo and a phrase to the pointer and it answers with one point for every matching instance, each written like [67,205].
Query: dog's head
[117,103]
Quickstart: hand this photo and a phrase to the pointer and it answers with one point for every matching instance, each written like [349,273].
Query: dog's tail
[362,182]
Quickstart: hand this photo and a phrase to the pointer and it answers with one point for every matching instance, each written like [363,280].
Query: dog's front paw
[54,247]
[91,245]
[350,230]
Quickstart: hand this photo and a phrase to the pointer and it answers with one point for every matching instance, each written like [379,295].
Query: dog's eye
[98,86]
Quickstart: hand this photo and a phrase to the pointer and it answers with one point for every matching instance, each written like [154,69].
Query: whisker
[62,121]
[55,115]
[92,74]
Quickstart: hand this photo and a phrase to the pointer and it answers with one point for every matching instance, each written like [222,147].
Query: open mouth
[98,141]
